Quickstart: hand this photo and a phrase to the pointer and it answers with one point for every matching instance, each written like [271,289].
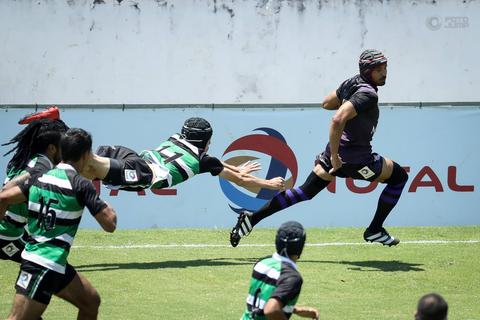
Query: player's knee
[313,185]
[95,300]
[399,175]
[90,303]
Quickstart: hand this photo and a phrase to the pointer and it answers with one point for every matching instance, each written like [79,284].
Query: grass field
[194,274]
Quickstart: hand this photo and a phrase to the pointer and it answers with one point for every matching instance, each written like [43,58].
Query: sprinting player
[348,153]
[432,306]
[36,151]
[179,158]
[55,202]
[276,283]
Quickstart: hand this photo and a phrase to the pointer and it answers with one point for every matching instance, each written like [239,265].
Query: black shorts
[128,171]
[39,283]
[12,249]
[364,171]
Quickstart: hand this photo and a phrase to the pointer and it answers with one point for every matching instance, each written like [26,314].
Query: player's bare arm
[331,101]
[107,219]
[247,180]
[273,310]
[247,167]
[8,197]
[97,167]
[16,181]
[343,114]
[306,312]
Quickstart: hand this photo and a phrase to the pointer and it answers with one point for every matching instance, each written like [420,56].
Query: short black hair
[432,306]
[75,143]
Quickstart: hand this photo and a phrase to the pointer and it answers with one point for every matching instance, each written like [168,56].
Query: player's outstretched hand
[307,312]
[278,183]
[336,163]
[249,167]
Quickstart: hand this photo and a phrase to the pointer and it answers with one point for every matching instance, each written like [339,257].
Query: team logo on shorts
[131,175]
[10,249]
[24,279]
[271,147]
[366,172]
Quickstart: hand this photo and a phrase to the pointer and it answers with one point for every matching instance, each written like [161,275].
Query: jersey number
[46,216]
[167,158]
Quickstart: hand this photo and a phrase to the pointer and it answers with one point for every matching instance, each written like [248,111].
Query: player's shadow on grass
[375,265]
[165,264]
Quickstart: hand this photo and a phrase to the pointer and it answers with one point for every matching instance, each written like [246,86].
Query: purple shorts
[369,170]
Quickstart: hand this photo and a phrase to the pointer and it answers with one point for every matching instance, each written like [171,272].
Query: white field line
[323,244]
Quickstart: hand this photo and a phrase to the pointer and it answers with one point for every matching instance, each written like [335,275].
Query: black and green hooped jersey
[174,161]
[274,277]
[12,226]
[55,205]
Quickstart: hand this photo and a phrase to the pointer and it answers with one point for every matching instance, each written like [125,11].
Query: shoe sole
[391,244]
[235,233]
[234,241]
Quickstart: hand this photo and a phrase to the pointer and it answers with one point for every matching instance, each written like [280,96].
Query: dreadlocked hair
[34,139]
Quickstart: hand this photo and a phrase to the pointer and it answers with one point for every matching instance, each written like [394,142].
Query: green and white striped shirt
[274,277]
[55,205]
[174,161]
[12,226]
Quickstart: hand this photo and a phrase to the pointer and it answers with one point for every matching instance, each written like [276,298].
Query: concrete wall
[232,51]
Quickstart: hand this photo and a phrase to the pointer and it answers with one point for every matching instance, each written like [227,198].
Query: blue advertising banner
[438,146]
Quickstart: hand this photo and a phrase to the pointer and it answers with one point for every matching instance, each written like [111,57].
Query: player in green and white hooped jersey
[276,284]
[179,158]
[55,202]
[36,151]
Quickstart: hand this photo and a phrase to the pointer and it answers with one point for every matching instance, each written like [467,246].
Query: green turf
[343,282]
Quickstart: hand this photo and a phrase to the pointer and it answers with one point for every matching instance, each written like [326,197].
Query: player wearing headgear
[179,158]
[348,153]
[36,151]
[276,283]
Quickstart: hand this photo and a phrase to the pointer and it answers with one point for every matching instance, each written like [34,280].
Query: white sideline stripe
[323,244]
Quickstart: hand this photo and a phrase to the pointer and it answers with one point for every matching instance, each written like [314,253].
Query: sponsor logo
[10,249]
[24,279]
[366,172]
[131,175]
[273,147]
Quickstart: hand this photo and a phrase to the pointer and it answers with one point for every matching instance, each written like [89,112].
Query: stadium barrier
[437,144]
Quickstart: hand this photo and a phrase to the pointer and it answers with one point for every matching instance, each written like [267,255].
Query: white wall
[232,51]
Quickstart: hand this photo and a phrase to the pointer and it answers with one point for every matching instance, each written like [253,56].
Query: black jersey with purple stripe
[355,144]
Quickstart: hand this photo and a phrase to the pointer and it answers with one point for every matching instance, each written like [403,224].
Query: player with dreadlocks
[276,283]
[348,153]
[179,158]
[36,151]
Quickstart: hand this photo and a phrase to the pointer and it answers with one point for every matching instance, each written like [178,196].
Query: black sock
[389,197]
[313,185]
